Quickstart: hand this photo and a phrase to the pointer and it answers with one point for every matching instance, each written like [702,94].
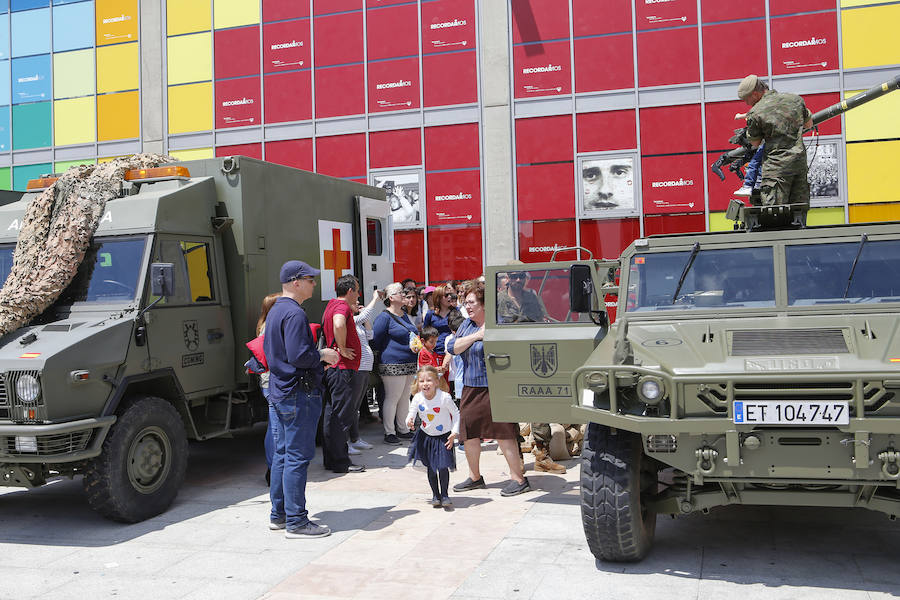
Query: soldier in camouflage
[779,119]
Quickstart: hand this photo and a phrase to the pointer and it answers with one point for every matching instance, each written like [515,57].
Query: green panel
[31,126]
[61,167]
[5,179]
[21,175]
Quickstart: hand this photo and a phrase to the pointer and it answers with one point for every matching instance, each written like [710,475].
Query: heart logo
[424,424]
[440,427]
[437,409]
[431,417]
[422,407]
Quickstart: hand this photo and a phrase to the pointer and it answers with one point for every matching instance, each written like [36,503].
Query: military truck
[145,349]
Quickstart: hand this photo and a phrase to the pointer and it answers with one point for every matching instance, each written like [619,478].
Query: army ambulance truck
[145,349]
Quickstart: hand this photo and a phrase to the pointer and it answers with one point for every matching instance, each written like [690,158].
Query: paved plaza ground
[389,543]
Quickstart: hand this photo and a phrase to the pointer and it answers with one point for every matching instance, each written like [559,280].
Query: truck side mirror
[162,279]
[581,286]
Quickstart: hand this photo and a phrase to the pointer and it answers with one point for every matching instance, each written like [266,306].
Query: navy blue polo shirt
[290,350]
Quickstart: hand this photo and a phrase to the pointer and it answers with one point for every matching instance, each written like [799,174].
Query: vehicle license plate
[780,412]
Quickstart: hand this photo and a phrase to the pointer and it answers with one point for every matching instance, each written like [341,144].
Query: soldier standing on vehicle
[779,119]
[295,399]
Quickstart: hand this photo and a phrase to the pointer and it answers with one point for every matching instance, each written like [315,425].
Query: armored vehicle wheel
[615,479]
[142,465]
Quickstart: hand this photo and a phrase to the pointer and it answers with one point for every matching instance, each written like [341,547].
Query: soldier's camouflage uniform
[778,119]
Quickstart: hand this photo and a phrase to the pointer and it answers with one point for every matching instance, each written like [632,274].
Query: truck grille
[716,395]
[788,342]
[49,445]
[4,399]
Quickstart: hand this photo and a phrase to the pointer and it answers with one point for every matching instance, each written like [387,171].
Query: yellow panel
[849,3]
[825,216]
[118,68]
[869,168]
[73,74]
[876,120]
[231,13]
[870,36]
[718,222]
[187,16]
[117,21]
[118,116]
[873,213]
[107,159]
[189,58]
[190,108]
[195,154]
[73,121]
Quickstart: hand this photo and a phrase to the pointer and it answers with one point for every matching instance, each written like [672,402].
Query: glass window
[535,296]
[848,272]
[110,272]
[697,279]
[193,279]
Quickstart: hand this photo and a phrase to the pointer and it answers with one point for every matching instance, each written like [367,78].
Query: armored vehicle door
[191,332]
[376,244]
[534,342]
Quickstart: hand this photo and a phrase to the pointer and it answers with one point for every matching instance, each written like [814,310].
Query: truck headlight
[651,389]
[28,389]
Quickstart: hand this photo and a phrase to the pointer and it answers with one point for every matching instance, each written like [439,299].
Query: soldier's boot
[543,462]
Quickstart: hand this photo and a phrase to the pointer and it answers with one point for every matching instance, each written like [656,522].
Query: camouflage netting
[55,233]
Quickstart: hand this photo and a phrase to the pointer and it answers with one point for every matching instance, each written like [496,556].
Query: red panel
[237,102]
[542,69]
[723,59]
[672,184]
[402,148]
[448,25]
[789,7]
[610,130]
[324,7]
[716,10]
[671,13]
[454,253]
[804,43]
[288,96]
[452,147]
[392,32]
[285,46]
[409,250]
[546,191]
[720,123]
[543,139]
[380,3]
[394,85]
[454,198]
[655,224]
[341,155]
[236,52]
[721,192]
[615,17]
[251,150]
[608,237]
[604,63]
[277,10]
[668,57]
[537,240]
[670,129]
[815,103]
[340,91]
[339,38]
[293,153]
[450,78]
[537,20]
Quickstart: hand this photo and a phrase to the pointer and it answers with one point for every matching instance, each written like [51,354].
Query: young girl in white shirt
[432,444]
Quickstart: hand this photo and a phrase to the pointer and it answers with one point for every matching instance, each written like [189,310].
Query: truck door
[376,241]
[191,332]
[533,342]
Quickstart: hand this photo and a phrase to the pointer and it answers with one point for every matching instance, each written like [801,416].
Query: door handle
[492,355]
[214,335]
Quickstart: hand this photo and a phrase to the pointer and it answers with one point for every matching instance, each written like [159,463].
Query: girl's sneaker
[362,444]
[435,502]
[446,502]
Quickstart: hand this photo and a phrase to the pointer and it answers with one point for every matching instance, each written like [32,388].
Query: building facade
[500,128]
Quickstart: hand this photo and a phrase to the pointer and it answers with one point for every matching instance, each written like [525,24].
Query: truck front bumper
[53,444]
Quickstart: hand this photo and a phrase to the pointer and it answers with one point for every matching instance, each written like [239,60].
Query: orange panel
[117,21]
[118,116]
[871,213]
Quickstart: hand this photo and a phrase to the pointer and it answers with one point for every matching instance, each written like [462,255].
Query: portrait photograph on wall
[403,189]
[824,163]
[608,185]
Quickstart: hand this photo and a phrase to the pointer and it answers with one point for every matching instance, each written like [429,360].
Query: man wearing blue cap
[295,399]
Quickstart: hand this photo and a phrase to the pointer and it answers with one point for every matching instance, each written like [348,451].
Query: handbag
[256,349]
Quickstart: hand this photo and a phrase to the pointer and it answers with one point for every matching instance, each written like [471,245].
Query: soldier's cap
[295,269]
[747,85]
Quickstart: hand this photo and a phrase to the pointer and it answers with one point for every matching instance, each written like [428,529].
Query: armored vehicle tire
[142,464]
[614,471]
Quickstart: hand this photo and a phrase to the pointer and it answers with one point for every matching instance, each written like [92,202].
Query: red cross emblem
[337,259]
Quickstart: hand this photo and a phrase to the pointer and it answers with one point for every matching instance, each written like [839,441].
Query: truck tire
[614,471]
[142,463]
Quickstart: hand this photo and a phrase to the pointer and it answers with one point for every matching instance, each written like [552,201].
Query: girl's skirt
[431,451]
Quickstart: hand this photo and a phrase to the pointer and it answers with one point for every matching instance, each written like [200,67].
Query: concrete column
[496,113]
[152,70]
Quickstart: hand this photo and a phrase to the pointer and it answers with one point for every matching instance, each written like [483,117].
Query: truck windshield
[736,277]
[820,273]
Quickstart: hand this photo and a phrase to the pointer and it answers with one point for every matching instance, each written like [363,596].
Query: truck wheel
[142,463]
[616,478]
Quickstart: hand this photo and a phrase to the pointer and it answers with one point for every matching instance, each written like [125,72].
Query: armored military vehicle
[145,349]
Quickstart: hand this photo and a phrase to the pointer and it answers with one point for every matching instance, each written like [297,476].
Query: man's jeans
[294,420]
